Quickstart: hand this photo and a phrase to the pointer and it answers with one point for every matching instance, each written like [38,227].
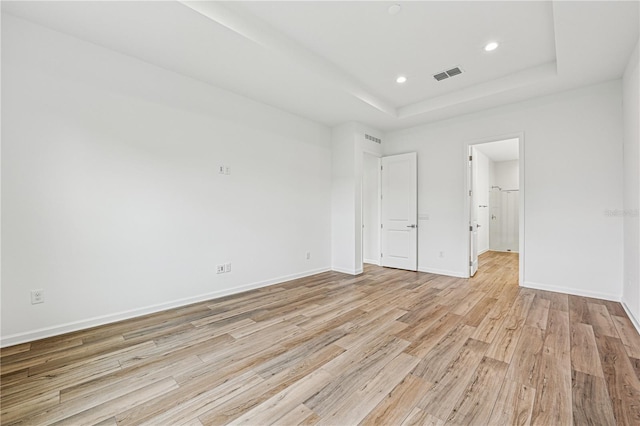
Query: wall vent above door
[372,138]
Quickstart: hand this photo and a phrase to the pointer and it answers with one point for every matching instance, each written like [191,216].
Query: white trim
[347,271]
[372,262]
[29,336]
[634,320]
[484,251]
[574,291]
[448,273]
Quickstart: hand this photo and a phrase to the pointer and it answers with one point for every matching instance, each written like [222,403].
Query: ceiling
[506,150]
[335,62]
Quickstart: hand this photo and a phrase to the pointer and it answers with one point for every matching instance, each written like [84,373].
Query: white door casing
[473,217]
[399,179]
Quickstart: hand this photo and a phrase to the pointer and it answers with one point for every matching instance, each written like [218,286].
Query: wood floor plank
[584,351]
[635,363]
[553,404]
[386,347]
[99,407]
[601,320]
[514,404]
[356,406]
[591,403]
[285,401]
[628,334]
[207,400]
[442,396]
[419,417]
[557,337]
[344,383]
[526,359]
[398,404]
[622,383]
[476,403]
[475,316]
[539,313]
[433,364]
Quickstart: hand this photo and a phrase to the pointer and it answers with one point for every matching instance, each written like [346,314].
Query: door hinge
[470,192]
[381,226]
[470,227]
[471,158]
[381,255]
[381,197]
[471,263]
[381,167]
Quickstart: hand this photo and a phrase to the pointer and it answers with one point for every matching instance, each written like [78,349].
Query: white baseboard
[483,251]
[635,321]
[456,274]
[371,261]
[574,291]
[347,271]
[29,336]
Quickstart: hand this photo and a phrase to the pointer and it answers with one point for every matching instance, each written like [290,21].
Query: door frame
[521,198]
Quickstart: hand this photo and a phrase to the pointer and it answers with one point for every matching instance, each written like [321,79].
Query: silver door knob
[411,226]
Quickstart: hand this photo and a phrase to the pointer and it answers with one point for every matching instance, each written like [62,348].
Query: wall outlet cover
[37,296]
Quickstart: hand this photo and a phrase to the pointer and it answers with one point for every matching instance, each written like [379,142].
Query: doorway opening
[496,203]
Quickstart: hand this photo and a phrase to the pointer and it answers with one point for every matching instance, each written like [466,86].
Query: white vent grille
[372,138]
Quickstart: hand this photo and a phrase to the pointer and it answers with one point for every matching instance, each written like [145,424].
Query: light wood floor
[388,347]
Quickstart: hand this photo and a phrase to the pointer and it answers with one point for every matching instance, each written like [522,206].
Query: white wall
[506,175]
[111,198]
[631,109]
[348,147]
[573,173]
[371,209]
[343,201]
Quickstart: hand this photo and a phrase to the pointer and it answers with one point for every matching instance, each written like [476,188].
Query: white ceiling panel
[336,61]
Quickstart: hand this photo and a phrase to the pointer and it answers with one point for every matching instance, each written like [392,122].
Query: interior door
[399,178]
[473,218]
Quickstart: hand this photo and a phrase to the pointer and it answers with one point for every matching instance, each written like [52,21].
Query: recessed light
[401,79]
[491,46]
[394,9]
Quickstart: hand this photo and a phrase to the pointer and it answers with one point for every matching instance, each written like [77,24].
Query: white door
[473,218]
[399,177]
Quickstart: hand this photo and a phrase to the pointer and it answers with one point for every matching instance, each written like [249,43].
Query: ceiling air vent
[448,73]
[372,138]
[441,76]
[454,71]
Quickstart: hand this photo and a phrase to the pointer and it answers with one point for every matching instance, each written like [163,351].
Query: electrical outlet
[227,267]
[308,255]
[441,254]
[220,269]
[227,170]
[37,296]
[221,169]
